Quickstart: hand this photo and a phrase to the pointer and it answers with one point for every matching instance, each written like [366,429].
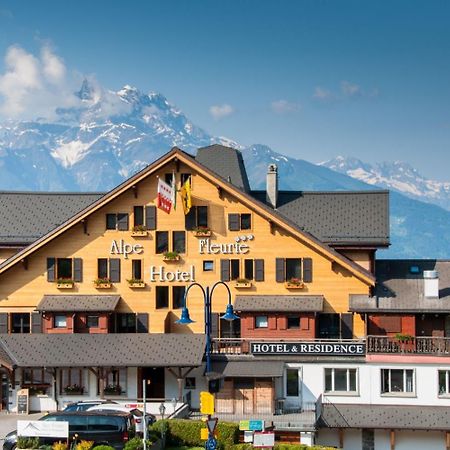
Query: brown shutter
[114,270]
[150,217]
[250,322]
[259,270]
[214,325]
[77,270]
[122,221]
[224,270]
[36,322]
[280,276]
[51,269]
[272,322]
[307,270]
[304,323]
[282,322]
[4,323]
[190,219]
[346,326]
[233,222]
[142,322]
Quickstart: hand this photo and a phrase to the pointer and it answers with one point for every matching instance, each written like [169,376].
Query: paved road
[8,422]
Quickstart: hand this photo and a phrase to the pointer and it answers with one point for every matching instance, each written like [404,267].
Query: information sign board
[22,401]
[263,440]
[42,428]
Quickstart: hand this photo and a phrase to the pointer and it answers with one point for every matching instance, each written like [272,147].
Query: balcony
[423,345]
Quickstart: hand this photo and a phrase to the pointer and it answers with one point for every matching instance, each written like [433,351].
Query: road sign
[212,424]
[206,403]
[263,440]
[204,434]
[256,425]
[244,425]
[211,444]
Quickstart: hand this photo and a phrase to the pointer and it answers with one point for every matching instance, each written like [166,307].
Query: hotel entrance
[155,385]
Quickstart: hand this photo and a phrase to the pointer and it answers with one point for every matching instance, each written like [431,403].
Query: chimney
[431,283]
[272,185]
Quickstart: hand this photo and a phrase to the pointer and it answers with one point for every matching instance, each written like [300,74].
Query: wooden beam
[220,192]
[177,164]
[85,226]
[135,191]
[24,262]
[272,226]
[392,433]
[447,440]
[341,438]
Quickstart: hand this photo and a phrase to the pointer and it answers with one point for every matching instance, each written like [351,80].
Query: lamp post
[207,297]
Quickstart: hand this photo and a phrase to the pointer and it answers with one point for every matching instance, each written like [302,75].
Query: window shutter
[307,270]
[304,323]
[279,270]
[347,326]
[77,270]
[224,270]
[233,222]
[114,270]
[272,322]
[142,322]
[51,269]
[150,217]
[259,270]
[214,325]
[190,219]
[122,222]
[4,323]
[250,322]
[282,323]
[36,322]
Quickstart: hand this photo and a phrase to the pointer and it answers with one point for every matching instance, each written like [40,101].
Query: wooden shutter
[225,270]
[307,270]
[190,219]
[122,222]
[214,325]
[259,270]
[142,322]
[51,269]
[78,270]
[346,326]
[36,322]
[4,323]
[250,322]
[280,276]
[114,270]
[304,322]
[233,222]
[150,217]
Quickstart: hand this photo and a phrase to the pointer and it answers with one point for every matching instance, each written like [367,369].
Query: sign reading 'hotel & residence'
[308,348]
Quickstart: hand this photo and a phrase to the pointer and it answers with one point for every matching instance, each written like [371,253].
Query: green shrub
[28,442]
[160,427]
[228,434]
[103,447]
[242,447]
[137,444]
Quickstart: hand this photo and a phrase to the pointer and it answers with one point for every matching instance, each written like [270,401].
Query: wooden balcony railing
[423,345]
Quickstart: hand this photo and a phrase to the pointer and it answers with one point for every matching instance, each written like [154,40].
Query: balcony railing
[423,345]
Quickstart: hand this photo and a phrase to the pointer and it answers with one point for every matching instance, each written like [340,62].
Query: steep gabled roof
[177,154]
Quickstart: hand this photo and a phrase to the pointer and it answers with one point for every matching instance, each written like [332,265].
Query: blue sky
[312,79]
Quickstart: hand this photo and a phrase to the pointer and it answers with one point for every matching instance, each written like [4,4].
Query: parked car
[84,405]
[112,428]
[137,414]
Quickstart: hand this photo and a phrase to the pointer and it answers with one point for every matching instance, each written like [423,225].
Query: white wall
[171,389]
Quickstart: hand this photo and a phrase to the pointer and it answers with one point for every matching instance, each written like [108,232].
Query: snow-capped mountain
[109,135]
[397,175]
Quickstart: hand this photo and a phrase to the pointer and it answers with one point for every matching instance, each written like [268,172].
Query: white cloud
[322,94]
[220,111]
[284,107]
[347,90]
[350,89]
[34,86]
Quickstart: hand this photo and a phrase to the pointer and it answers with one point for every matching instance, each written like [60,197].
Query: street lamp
[207,297]
[162,410]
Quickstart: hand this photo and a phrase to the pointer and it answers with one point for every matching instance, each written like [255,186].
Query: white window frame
[258,326]
[299,371]
[56,322]
[404,393]
[446,394]
[347,392]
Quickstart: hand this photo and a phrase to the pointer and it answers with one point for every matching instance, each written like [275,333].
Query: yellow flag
[186,197]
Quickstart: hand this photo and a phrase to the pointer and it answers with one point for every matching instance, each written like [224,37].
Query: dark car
[112,428]
[84,405]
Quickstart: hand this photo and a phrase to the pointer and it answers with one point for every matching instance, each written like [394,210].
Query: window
[92,321]
[292,383]
[117,221]
[111,221]
[340,380]
[184,177]
[197,217]
[178,296]
[102,268]
[229,328]
[136,268]
[60,321]
[248,269]
[116,381]
[329,326]
[162,241]
[20,323]
[293,268]
[123,323]
[35,376]
[109,268]
[293,322]
[162,297]
[261,322]
[287,268]
[237,222]
[189,383]
[70,380]
[397,381]
[64,268]
[208,266]
[253,269]
[138,216]
[444,382]
[179,241]
[234,269]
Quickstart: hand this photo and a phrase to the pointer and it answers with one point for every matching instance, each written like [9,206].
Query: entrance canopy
[248,368]
[101,350]
[83,303]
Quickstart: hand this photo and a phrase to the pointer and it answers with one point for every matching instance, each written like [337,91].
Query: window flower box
[136,284]
[112,389]
[171,257]
[294,283]
[102,283]
[64,284]
[242,283]
[202,232]
[139,231]
[74,389]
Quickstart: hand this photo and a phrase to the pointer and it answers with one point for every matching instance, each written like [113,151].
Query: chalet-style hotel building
[330,346]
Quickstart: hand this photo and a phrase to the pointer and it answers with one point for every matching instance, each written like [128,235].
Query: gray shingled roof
[103,350]
[226,162]
[416,417]
[338,218]
[78,303]
[282,303]
[26,216]
[399,290]
[248,368]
